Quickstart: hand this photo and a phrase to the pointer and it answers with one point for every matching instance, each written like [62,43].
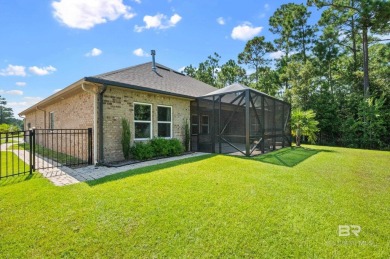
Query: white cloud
[17,107]
[12,70]
[137,1]
[140,53]
[266,7]
[276,55]
[245,31]
[86,14]
[21,83]
[12,92]
[159,21]
[94,52]
[42,71]
[221,21]
[57,90]
[174,19]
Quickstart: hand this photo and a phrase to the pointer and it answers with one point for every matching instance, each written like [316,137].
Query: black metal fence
[15,153]
[23,152]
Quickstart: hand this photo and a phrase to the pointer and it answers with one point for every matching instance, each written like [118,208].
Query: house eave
[52,98]
[136,87]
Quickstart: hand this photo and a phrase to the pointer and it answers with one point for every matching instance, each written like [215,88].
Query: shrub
[126,138]
[175,148]
[142,151]
[157,147]
[160,146]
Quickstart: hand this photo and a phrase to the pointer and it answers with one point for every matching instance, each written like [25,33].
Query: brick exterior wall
[76,112]
[73,112]
[118,103]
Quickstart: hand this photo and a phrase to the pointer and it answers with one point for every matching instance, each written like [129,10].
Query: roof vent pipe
[153,53]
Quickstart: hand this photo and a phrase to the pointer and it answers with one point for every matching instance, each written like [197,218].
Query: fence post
[30,141]
[90,146]
[33,148]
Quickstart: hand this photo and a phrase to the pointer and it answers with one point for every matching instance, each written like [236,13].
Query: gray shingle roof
[164,80]
[228,89]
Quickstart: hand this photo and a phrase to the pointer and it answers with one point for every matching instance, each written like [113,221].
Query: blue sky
[47,45]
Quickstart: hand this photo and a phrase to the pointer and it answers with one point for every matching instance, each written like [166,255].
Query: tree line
[338,68]
[7,121]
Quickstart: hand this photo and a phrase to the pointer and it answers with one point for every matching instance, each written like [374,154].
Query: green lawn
[10,164]
[59,157]
[284,204]
[12,138]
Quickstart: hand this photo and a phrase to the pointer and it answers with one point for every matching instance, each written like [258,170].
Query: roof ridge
[139,65]
[119,70]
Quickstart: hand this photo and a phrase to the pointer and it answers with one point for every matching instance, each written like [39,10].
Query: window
[29,125]
[205,124]
[142,121]
[51,120]
[164,121]
[194,124]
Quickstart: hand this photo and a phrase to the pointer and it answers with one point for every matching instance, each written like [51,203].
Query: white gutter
[95,132]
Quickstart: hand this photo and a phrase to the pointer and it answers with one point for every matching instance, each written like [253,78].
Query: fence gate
[23,152]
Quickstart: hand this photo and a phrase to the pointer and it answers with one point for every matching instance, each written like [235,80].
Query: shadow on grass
[289,157]
[147,169]
[19,178]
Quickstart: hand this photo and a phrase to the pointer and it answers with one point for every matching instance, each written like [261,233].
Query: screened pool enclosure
[240,120]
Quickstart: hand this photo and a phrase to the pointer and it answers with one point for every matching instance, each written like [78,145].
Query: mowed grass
[211,206]
[42,151]
[10,164]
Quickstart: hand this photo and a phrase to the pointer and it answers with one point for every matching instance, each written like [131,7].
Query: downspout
[44,116]
[95,132]
[101,138]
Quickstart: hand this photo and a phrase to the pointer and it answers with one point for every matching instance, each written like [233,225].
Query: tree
[302,85]
[269,81]
[368,128]
[303,123]
[206,71]
[253,55]
[281,24]
[295,34]
[231,73]
[326,51]
[6,113]
[290,23]
[371,15]
[380,69]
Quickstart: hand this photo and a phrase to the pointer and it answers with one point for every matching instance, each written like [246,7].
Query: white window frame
[166,122]
[51,120]
[150,122]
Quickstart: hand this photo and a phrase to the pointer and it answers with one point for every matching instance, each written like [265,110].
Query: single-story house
[156,100]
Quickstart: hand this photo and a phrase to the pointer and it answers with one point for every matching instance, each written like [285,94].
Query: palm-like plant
[303,123]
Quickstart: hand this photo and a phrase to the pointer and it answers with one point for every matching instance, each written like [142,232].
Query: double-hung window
[142,121]
[164,121]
